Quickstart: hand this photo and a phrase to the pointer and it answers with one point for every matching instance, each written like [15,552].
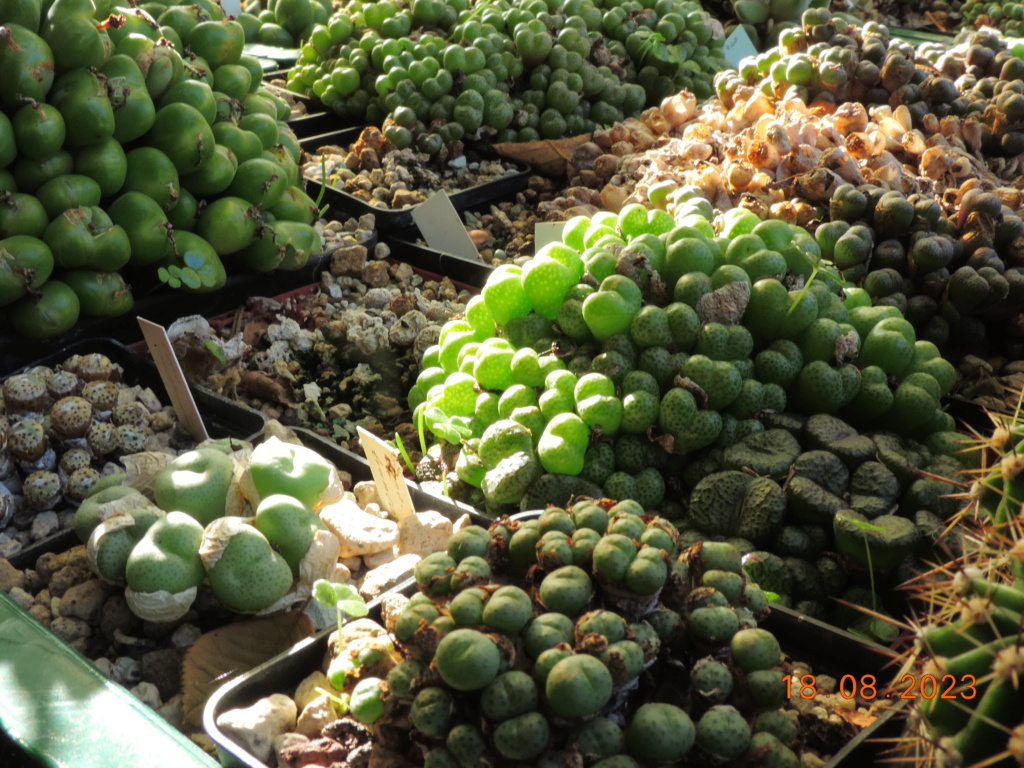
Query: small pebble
[147,693]
[173,711]
[9,547]
[21,597]
[70,630]
[185,635]
[127,670]
[803,706]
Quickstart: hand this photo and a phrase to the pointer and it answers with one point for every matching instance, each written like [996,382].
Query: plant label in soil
[387,474]
[442,228]
[738,46]
[174,380]
[545,232]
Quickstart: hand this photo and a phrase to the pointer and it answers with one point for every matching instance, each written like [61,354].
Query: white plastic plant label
[442,228]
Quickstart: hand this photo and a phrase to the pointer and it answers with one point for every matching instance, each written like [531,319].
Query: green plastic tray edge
[130,724]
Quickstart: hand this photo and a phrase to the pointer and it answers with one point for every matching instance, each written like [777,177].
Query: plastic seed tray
[396,219]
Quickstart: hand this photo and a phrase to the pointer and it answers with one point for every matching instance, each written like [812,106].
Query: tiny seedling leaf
[216,350]
[405,454]
[353,608]
[190,278]
[323,593]
[867,527]
[193,259]
[163,274]
[435,415]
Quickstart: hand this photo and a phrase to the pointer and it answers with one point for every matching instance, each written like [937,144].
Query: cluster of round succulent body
[163,551]
[645,334]
[520,72]
[534,641]
[59,431]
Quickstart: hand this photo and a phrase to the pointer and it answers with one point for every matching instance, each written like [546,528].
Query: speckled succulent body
[76,458]
[63,384]
[130,439]
[42,490]
[129,413]
[102,396]
[27,442]
[24,396]
[101,437]
[79,483]
[70,417]
[91,367]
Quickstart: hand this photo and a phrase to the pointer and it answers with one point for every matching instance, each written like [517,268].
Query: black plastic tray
[969,413]
[312,104]
[828,650]
[222,417]
[314,124]
[474,273]
[158,303]
[392,219]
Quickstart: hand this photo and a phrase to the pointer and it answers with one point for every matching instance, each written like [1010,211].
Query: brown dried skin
[725,145]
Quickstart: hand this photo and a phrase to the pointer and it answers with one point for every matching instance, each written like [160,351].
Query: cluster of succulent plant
[534,640]
[832,61]
[689,337]
[764,21]
[820,511]
[1006,17]
[163,536]
[283,24]
[119,157]
[956,279]
[437,72]
[915,188]
[63,433]
[968,626]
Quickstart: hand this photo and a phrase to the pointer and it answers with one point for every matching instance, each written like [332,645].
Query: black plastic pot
[314,124]
[155,301]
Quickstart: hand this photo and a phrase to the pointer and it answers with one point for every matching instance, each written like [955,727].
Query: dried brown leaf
[855,717]
[725,305]
[265,388]
[223,654]
[548,156]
